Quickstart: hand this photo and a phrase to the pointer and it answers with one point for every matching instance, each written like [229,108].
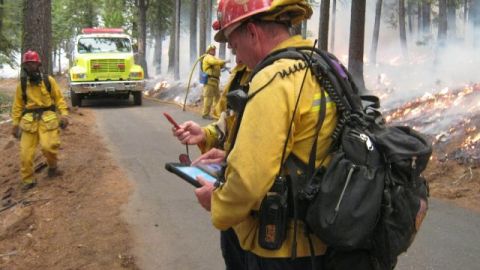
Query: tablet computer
[190,173]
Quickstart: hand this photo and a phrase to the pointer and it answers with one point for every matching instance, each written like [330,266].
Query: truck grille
[107,65]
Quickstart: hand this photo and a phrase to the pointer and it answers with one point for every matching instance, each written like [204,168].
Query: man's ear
[252,32]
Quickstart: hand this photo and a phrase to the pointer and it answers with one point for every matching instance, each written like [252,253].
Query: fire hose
[190,79]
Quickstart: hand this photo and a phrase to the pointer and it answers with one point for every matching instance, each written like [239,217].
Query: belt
[37,112]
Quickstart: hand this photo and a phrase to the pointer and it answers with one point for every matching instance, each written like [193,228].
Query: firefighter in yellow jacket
[212,66]
[284,96]
[38,111]
[217,137]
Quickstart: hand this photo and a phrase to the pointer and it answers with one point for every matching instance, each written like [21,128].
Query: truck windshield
[104,45]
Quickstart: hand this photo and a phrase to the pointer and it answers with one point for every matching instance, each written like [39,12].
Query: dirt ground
[74,221]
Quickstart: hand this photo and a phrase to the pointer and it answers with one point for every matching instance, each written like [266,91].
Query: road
[173,232]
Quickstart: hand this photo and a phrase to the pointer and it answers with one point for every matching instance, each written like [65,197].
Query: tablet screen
[194,172]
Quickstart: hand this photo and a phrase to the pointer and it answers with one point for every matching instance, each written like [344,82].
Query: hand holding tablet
[190,173]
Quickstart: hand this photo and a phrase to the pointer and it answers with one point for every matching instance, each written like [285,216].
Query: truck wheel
[137,98]
[76,99]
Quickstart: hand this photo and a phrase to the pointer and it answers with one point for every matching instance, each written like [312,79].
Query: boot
[27,186]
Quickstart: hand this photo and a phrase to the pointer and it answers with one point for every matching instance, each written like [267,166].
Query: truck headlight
[77,76]
[136,74]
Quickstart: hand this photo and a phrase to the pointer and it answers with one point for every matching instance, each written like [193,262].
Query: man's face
[241,46]
[31,67]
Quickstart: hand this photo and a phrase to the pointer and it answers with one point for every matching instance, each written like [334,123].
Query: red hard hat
[231,13]
[31,56]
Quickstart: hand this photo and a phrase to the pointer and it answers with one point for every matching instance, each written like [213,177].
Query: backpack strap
[46,81]
[23,85]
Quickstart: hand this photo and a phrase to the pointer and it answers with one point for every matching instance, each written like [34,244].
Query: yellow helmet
[211,47]
[231,13]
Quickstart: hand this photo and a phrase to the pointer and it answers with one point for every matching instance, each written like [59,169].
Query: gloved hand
[16,132]
[64,121]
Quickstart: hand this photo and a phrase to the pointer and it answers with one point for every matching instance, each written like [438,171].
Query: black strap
[293,168]
[237,80]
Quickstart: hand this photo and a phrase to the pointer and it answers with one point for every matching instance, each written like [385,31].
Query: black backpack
[371,195]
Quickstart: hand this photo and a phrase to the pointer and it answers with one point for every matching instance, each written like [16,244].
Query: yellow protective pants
[44,131]
[211,96]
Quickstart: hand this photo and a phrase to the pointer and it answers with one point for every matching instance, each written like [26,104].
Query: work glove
[16,132]
[63,121]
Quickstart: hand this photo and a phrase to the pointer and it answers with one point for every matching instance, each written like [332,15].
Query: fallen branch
[13,253]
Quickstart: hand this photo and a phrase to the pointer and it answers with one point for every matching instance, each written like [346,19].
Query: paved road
[173,232]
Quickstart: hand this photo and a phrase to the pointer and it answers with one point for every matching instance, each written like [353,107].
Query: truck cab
[103,65]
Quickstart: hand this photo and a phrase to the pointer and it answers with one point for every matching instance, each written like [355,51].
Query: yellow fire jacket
[212,66]
[38,97]
[226,119]
[254,161]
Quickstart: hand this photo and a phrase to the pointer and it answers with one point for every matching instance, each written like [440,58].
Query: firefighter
[38,111]
[212,66]
[217,137]
[278,122]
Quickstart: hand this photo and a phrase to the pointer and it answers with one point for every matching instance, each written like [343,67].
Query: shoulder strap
[47,83]
[23,85]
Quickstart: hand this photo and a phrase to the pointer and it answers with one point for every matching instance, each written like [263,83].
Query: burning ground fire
[450,117]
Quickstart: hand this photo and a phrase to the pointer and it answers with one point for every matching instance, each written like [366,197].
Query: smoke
[427,69]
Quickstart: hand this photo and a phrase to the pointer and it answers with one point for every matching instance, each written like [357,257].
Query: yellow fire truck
[103,65]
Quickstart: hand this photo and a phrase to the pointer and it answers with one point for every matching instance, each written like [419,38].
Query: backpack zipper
[349,176]
[364,138]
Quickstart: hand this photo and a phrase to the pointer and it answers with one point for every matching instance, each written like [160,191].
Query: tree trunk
[59,61]
[37,30]
[323,25]
[157,53]
[442,22]
[465,13]
[475,18]
[410,16]
[142,34]
[451,20]
[1,16]
[171,45]
[426,19]
[419,20]
[208,14]
[376,31]
[356,44]
[332,33]
[202,25]
[176,70]
[193,31]
[401,27]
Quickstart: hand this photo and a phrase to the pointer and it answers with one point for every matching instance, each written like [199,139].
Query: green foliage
[159,15]
[5,102]
[113,13]
[11,21]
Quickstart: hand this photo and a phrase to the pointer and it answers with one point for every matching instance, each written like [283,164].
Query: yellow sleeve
[17,106]
[211,138]
[254,161]
[211,60]
[58,97]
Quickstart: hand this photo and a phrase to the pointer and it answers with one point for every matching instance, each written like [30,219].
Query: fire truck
[103,65]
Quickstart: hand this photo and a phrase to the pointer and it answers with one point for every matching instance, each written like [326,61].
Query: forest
[360,29]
